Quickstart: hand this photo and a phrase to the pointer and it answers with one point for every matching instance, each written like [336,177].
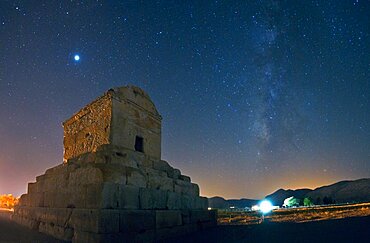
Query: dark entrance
[139,144]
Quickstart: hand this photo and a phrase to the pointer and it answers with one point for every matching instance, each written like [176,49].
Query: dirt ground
[355,229]
[13,232]
[295,215]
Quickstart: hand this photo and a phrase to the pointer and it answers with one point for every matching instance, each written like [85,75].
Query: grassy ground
[296,215]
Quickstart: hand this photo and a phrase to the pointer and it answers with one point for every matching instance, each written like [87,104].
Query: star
[76,57]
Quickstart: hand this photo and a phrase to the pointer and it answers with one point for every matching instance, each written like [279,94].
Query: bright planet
[77,57]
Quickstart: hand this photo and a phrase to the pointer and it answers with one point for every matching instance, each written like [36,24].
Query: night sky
[255,95]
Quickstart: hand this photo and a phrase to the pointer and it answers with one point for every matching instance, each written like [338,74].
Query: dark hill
[277,198]
[340,192]
[344,191]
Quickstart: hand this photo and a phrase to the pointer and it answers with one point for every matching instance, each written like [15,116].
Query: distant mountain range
[219,202]
[277,198]
[340,192]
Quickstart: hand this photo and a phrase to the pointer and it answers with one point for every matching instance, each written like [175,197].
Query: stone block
[49,198]
[71,167]
[40,178]
[176,174]
[120,157]
[173,200]
[85,175]
[185,178]
[23,200]
[146,163]
[160,182]
[104,195]
[168,218]
[128,197]
[183,187]
[86,158]
[136,177]
[36,199]
[152,199]
[57,216]
[114,174]
[32,188]
[95,220]
[56,170]
[201,203]
[194,189]
[28,222]
[58,199]
[137,220]
[49,184]
[161,165]
[151,171]
[187,202]
[62,181]
[56,230]
[78,197]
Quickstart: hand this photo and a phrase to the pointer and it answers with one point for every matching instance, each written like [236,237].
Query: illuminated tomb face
[125,117]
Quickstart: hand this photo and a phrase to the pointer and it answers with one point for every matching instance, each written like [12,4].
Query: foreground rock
[113,185]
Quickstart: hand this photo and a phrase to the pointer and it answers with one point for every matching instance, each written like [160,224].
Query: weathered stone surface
[32,188]
[176,174]
[168,218]
[113,185]
[136,177]
[161,165]
[104,195]
[23,200]
[201,203]
[95,220]
[152,199]
[183,187]
[88,128]
[36,199]
[59,232]
[187,202]
[173,200]
[84,176]
[117,118]
[129,197]
[137,220]
[185,178]
[160,182]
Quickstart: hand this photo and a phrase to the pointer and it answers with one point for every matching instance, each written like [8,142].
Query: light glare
[265,206]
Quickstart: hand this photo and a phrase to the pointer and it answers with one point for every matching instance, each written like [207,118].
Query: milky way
[254,95]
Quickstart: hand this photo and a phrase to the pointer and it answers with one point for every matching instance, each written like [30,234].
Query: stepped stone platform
[113,185]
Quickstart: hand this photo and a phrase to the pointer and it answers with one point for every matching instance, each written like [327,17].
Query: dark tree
[327,200]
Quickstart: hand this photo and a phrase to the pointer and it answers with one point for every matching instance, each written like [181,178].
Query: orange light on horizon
[8,201]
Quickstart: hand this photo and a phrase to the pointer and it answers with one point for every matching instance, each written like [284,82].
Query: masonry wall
[88,129]
[130,120]
[108,192]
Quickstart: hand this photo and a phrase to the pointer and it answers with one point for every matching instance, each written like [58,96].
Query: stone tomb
[113,185]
